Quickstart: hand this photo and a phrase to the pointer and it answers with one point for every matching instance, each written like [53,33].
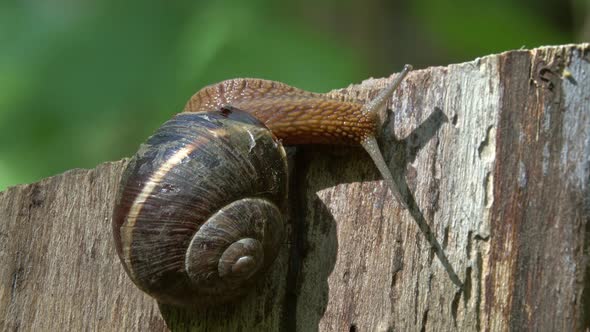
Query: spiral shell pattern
[198,216]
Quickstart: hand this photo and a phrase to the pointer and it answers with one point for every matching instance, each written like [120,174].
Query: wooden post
[496,155]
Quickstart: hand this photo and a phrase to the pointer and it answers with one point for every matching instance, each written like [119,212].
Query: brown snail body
[199,212]
[295,116]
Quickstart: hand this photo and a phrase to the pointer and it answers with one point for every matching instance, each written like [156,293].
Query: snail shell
[198,215]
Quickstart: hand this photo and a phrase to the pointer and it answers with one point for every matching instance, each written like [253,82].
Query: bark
[495,155]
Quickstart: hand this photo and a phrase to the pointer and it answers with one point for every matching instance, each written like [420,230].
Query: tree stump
[495,154]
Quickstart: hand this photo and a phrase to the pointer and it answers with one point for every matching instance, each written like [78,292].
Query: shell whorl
[198,213]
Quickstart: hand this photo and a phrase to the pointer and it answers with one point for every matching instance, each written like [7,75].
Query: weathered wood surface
[496,156]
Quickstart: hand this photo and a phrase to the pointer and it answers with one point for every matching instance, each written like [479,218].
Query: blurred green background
[83,82]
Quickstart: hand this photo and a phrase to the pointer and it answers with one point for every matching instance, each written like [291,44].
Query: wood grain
[495,154]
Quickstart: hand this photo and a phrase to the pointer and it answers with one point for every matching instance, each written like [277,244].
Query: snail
[199,214]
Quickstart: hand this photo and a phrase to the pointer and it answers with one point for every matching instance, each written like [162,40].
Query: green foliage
[478,28]
[88,81]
